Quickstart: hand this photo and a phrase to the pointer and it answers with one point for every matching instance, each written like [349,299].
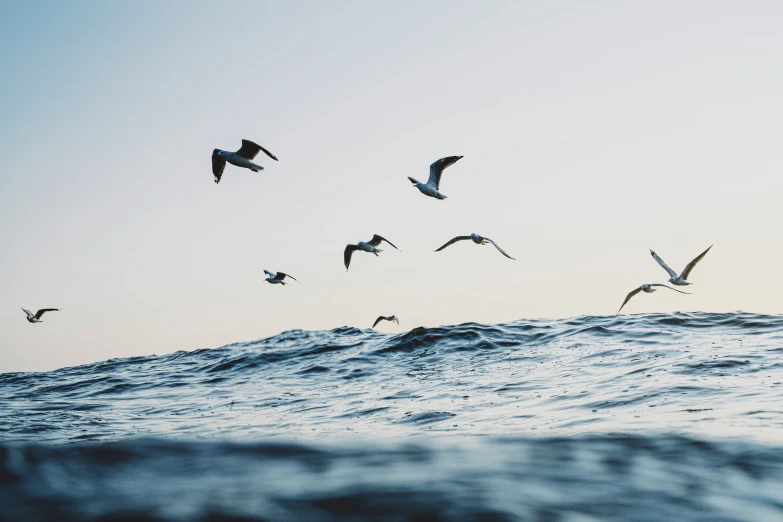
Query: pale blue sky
[592,132]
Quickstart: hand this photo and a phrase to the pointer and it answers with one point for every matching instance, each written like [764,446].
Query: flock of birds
[244,157]
[678,280]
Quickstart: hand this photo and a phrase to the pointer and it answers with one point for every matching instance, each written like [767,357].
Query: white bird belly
[239,161]
[428,190]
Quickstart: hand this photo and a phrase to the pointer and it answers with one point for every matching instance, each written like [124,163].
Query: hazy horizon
[591,133]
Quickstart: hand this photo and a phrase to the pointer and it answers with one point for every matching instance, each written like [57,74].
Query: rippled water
[592,417]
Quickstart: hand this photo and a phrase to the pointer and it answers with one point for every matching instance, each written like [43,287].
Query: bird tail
[377,250]
[256,168]
[441,196]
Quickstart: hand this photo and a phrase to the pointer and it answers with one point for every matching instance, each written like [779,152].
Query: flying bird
[432,187]
[37,317]
[277,277]
[241,158]
[646,289]
[391,318]
[679,280]
[479,240]
[369,246]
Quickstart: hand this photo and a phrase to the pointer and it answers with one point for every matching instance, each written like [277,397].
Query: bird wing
[348,253]
[44,310]
[269,154]
[380,318]
[628,298]
[670,288]
[28,312]
[250,150]
[458,238]
[218,165]
[281,276]
[500,249]
[270,274]
[692,264]
[671,272]
[376,240]
[437,168]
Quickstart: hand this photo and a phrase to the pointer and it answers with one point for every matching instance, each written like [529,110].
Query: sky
[591,132]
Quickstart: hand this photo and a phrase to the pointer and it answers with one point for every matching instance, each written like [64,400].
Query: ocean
[654,417]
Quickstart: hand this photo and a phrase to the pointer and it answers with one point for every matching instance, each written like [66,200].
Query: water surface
[578,419]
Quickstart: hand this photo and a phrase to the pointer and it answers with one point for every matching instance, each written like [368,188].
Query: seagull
[479,240]
[647,289]
[369,246]
[37,317]
[277,277]
[240,158]
[391,318]
[431,188]
[681,279]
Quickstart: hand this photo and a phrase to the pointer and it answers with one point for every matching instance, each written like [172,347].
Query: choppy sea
[658,417]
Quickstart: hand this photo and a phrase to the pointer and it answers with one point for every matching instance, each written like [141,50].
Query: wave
[581,478]
[643,417]
[699,373]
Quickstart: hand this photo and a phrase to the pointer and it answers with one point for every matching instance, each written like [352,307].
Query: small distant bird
[241,158]
[432,187]
[679,280]
[277,277]
[391,318]
[37,317]
[648,289]
[369,246]
[479,240]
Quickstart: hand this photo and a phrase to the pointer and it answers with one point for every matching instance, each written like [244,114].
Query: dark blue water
[645,417]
